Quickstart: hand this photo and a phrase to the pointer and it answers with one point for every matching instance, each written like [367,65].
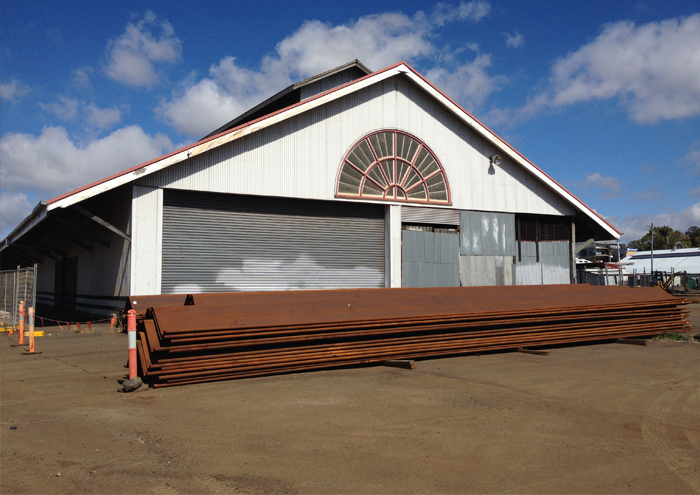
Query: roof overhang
[37,215]
[321,99]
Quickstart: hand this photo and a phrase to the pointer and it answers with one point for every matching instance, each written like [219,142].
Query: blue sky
[604,96]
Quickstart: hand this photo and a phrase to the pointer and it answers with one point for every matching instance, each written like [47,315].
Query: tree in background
[664,238]
[694,234]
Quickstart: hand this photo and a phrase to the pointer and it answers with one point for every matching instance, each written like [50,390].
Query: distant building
[665,260]
[348,179]
[605,252]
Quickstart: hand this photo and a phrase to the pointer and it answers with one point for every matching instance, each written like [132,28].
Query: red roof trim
[320,95]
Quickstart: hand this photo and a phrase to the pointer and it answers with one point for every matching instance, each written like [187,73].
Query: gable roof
[251,126]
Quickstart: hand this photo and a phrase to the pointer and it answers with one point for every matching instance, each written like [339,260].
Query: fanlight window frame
[404,170]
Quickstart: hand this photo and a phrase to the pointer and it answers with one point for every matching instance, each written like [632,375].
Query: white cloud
[95,117]
[66,109]
[102,118]
[649,195]
[610,184]
[474,11]
[635,227]
[81,77]
[132,56]
[52,163]
[13,91]
[653,70]
[469,83]
[693,157]
[198,107]
[515,40]
[14,207]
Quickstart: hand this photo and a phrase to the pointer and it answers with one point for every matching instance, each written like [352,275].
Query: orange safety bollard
[21,326]
[21,321]
[131,332]
[31,335]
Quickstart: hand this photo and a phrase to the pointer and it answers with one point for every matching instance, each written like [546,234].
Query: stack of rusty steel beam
[185,339]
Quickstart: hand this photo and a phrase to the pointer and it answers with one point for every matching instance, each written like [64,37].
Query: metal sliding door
[223,242]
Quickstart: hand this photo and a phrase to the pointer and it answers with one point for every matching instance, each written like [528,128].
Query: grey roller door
[223,242]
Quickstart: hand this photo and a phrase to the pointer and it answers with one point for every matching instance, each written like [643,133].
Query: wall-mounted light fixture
[495,160]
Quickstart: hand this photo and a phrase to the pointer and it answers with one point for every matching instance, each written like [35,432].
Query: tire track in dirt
[671,429]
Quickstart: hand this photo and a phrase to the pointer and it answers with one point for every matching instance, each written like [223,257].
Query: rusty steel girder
[185,339]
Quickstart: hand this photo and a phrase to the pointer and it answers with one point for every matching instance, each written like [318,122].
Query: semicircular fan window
[393,166]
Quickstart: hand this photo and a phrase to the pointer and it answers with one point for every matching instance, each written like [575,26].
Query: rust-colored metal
[186,339]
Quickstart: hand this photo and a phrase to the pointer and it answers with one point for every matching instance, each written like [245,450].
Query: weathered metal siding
[487,247]
[528,271]
[556,262]
[147,234]
[484,233]
[227,243]
[300,157]
[429,259]
[553,268]
[476,271]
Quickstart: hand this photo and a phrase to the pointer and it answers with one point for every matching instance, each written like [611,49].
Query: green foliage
[664,238]
[674,336]
[694,234]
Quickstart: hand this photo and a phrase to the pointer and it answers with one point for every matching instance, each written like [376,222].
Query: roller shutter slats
[220,242]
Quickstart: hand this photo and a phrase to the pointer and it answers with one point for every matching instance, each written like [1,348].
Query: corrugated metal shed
[416,102]
[679,260]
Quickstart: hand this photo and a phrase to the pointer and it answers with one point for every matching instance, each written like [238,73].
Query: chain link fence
[15,286]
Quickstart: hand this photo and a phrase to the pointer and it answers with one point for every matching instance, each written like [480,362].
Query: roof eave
[37,215]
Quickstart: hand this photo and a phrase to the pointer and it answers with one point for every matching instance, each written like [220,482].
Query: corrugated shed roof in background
[665,260]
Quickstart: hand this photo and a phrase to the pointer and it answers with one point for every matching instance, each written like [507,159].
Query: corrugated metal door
[429,259]
[223,243]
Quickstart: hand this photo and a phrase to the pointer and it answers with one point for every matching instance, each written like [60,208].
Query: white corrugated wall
[300,157]
[147,235]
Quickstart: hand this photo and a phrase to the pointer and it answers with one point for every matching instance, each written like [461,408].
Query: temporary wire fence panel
[15,286]
[225,243]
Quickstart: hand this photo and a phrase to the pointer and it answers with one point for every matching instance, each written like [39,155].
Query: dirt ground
[605,418]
